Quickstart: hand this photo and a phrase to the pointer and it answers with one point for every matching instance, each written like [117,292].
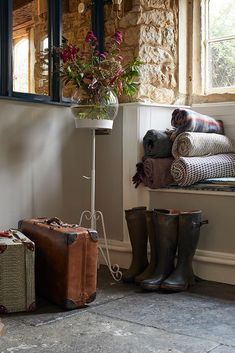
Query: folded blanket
[230,181]
[188,120]
[189,144]
[189,170]
[157,144]
[154,173]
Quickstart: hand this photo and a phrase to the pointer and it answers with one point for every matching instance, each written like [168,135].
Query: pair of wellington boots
[166,230]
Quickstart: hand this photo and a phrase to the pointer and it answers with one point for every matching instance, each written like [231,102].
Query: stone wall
[150,31]
[74,29]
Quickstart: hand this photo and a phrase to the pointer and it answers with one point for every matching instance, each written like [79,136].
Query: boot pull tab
[200,223]
[204,222]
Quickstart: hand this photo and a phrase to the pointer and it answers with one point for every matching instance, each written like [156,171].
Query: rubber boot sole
[151,288]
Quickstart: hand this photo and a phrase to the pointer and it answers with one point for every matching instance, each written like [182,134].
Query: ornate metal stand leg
[93,216]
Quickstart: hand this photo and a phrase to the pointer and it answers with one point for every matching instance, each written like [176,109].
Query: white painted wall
[42,160]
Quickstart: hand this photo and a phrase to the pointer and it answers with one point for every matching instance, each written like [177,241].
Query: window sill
[17,99]
[213,98]
[198,192]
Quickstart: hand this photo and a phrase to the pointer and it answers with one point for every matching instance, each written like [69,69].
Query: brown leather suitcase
[66,261]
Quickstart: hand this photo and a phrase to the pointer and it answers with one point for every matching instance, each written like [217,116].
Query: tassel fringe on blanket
[154,173]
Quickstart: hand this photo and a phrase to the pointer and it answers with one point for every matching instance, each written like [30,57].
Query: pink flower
[90,37]
[118,36]
[68,53]
[120,58]
[103,56]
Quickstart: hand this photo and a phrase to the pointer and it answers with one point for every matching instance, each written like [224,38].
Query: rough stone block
[156,4]
[150,35]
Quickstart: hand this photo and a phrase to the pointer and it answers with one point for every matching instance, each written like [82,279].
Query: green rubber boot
[153,249]
[189,231]
[166,230]
[137,228]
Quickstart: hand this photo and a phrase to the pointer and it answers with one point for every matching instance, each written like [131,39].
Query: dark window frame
[54,34]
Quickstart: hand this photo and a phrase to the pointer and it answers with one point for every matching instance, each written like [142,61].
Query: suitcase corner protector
[70,238]
[70,305]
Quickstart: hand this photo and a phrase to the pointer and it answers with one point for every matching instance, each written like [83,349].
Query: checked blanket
[190,144]
[189,170]
[188,120]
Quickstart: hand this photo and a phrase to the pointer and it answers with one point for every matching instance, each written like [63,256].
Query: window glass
[30,46]
[222,64]
[221,18]
[220,45]
[21,64]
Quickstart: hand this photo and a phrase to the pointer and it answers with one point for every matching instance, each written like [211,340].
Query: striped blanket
[189,144]
[189,170]
[157,144]
[188,120]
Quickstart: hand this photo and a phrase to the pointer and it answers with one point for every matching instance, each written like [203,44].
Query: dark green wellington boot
[189,231]
[137,228]
[153,249]
[166,230]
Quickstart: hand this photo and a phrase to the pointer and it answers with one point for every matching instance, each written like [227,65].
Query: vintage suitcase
[66,261]
[17,285]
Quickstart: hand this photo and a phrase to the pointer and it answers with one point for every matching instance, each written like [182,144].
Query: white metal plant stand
[93,216]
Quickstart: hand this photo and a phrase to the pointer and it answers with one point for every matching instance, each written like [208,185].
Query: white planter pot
[93,123]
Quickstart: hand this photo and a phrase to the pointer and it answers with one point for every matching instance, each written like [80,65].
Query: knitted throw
[189,170]
[189,144]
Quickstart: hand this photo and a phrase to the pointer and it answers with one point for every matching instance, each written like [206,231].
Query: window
[30,50]
[21,77]
[219,46]
[28,31]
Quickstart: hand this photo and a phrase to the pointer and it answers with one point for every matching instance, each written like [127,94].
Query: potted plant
[98,79]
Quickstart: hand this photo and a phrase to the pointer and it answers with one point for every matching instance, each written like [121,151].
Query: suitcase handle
[5,234]
[55,221]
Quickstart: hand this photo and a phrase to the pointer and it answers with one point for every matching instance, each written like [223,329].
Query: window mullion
[206,45]
[55,35]
[5,47]
[98,21]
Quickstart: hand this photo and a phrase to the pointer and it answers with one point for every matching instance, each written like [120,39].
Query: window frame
[54,39]
[206,41]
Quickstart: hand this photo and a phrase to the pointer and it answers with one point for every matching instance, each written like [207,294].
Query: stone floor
[125,319]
